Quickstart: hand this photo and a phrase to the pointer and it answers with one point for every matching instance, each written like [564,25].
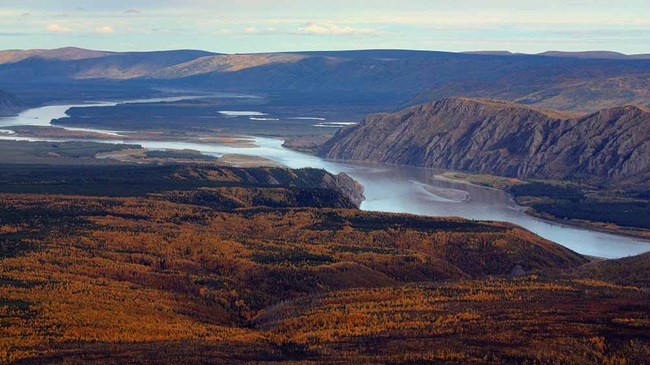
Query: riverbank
[396,189]
[506,184]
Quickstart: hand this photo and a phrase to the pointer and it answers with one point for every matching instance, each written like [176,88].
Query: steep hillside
[9,103]
[610,147]
[229,187]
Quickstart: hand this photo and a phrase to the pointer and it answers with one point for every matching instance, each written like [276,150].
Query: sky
[247,26]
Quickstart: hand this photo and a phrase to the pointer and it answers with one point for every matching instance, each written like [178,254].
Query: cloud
[25,14]
[329,29]
[223,31]
[106,29]
[132,11]
[259,31]
[57,28]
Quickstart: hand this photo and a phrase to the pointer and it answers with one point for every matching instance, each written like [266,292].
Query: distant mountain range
[393,78]
[609,147]
[582,54]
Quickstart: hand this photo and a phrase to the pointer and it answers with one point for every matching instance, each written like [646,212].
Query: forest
[568,201]
[225,265]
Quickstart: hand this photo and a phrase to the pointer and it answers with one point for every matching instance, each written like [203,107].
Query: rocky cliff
[611,146]
[308,178]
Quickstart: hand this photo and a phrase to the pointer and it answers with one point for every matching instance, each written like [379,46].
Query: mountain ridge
[389,78]
[569,54]
[611,146]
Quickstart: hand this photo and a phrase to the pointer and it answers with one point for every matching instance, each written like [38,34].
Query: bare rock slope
[611,146]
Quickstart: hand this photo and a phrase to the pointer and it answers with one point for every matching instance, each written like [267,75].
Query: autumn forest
[228,265]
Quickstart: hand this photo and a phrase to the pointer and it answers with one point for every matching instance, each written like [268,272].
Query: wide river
[387,188]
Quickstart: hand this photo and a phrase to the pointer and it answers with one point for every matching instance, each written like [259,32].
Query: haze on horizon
[258,25]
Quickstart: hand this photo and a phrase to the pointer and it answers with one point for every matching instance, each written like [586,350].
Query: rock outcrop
[610,147]
[347,186]
[308,178]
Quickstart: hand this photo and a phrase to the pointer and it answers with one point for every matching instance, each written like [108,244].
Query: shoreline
[590,225]
[586,225]
[599,243]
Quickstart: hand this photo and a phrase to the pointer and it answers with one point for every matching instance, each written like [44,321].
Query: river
[387,188]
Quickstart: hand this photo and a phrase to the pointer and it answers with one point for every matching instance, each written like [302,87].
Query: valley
[219,264]
[383,80]
[324,207]
[387,188]
[410,190]
[589,170]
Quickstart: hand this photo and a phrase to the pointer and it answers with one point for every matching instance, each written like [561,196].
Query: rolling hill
[216,265]
[633,270]
[59,54]
[392,78]
[580,54]
[68,64]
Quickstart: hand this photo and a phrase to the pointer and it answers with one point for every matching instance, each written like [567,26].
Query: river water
[387,188]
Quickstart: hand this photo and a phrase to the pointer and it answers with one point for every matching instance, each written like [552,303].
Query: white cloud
[329,29]
[106,29]
[57,28]
[258,31]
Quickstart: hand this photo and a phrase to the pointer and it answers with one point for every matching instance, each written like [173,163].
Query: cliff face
[9,104]
[347,186]
[611,146]
[349,189]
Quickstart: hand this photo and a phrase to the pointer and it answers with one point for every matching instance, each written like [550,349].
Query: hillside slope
[181,275]
[633,270]
[391,78]
[70,64]
[59,54]
[223,186]
[9,103]
[609,147]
